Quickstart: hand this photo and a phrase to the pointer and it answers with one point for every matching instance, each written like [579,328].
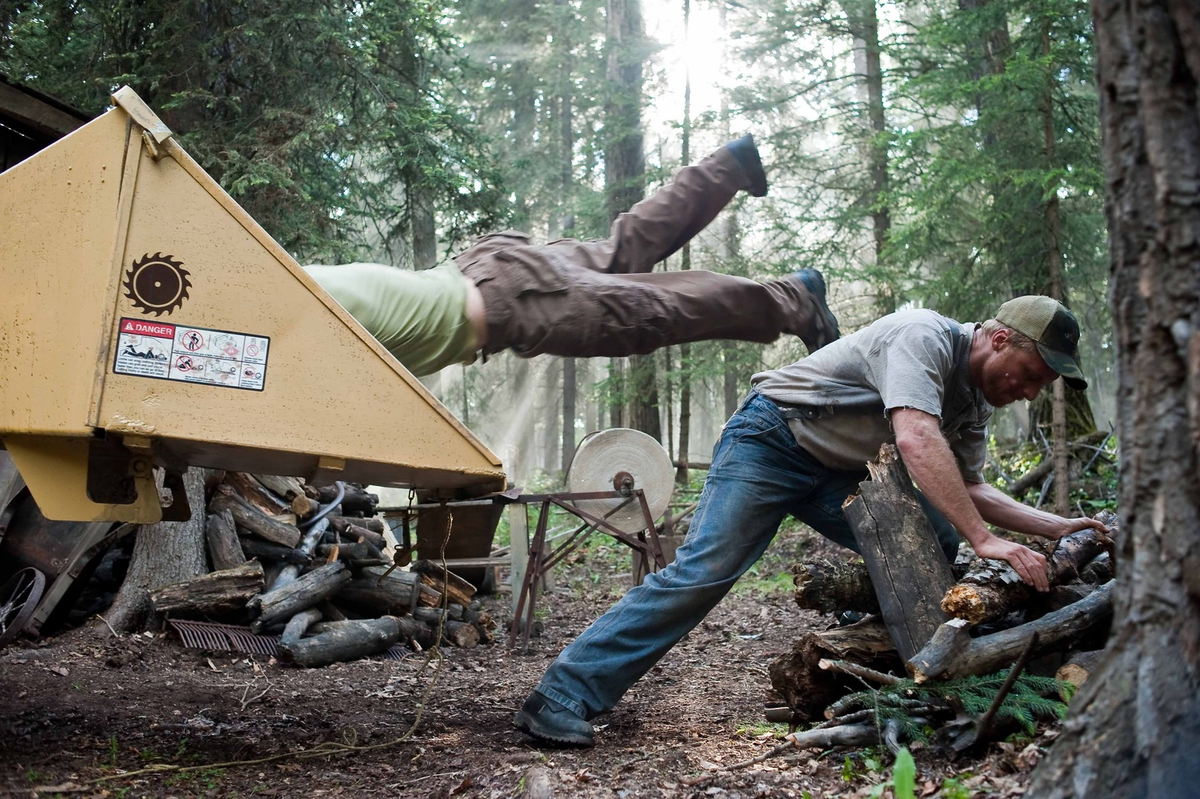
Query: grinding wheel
[610,460]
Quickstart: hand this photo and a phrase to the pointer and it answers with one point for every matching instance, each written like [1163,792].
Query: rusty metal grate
[223,637]
[232,638]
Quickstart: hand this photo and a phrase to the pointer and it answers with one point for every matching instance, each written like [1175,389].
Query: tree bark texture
[1134,728]
[907,567]
[165,553]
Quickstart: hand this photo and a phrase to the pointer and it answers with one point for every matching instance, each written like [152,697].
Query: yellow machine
[146,320]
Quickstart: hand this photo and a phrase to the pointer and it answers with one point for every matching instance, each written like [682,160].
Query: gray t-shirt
[909,359]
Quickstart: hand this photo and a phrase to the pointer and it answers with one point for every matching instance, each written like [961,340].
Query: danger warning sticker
[191,354]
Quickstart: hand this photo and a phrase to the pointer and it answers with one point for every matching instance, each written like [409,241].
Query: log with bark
[355,500]
[445,581]
[952,652]
[256,494]
[395,594]
[343,640]
[253,519]
[265,550]
[281,603]
[224,550]
[1079,666]
[216,592]
[831,587]
[807,688]
[907,566]
[991,589]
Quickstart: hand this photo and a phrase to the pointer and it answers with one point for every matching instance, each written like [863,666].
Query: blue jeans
[759,476]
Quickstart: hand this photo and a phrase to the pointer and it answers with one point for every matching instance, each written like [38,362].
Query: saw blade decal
[157,284]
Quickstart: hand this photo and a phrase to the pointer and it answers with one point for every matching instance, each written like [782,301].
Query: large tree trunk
[165,553]
[1134,728]
[625,175]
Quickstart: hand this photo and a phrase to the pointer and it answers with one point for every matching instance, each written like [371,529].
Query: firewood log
[265,550]
[215,592]
[952,652]
[898,544]
[807,689]
[1079,666]
[992,590]
[395,594]
[298,625]
[355,500]
[253,519]
[343,523]
[340,641]
[456,588]
[358,532]
[302,593]
[830,587]
[255,494]
[223,547]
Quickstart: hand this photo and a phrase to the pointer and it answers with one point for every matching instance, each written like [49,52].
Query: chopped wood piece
[830,587]
[952,652]
[286,488]
[459,590]
[253,519]
[1079,666]
[223,548]
[357,533]
[395,594]
[215,592]
[282,603]
[907,567]
[255,494]
[342,523]
[265,550]
[992,590]
[340,641]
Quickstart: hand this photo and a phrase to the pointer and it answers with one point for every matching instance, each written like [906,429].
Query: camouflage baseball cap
[1053,328]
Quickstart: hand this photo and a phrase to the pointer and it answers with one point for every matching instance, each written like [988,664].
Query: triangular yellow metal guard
[144,316]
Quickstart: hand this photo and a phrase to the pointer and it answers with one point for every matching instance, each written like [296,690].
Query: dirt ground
[86,714]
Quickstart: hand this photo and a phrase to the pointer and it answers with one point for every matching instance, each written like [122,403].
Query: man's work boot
[810,318]
[746,153]
[547,720]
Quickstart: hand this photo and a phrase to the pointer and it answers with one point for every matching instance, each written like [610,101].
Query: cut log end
[964,602]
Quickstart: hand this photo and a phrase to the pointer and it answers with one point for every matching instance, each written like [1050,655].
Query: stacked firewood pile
[927,624]
[312,565]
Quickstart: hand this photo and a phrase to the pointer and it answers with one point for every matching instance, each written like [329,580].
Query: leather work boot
[746,153]
[802,296]
[547,720]
[825,324]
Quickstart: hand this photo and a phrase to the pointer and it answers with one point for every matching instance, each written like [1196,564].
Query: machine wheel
[18,600]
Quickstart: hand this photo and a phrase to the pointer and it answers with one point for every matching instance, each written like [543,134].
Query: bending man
[587,298]
[799,445]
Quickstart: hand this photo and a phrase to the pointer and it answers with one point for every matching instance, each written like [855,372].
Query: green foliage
[903,781]
[1030,698]
[322,120]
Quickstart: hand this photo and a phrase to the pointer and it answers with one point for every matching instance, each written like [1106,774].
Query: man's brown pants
[600,299]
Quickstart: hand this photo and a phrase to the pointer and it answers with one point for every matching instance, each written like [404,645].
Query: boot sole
[528,725]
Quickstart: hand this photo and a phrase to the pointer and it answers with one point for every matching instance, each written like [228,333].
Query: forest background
[921,153]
